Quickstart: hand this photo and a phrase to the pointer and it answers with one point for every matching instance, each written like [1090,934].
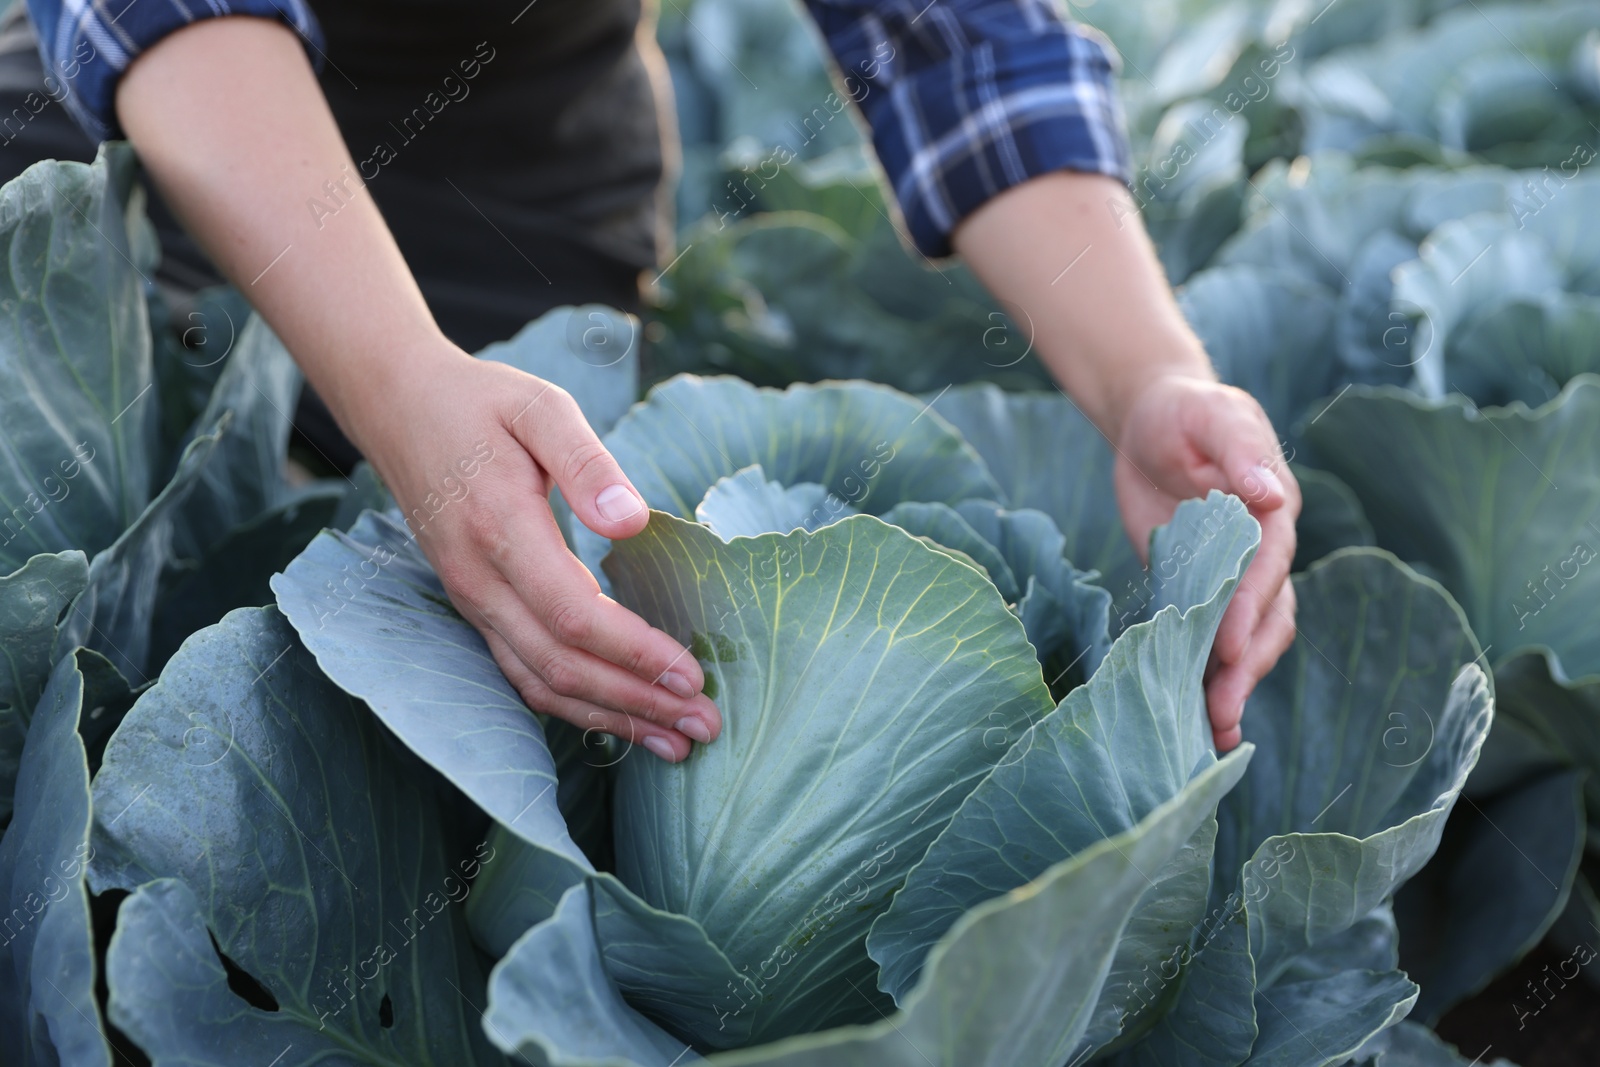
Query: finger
[578,675]
[565,598]
[1240,443]
[1230,686]
[667,744]
[1227,740]
[550,426]
[1259,586]
[1250,458]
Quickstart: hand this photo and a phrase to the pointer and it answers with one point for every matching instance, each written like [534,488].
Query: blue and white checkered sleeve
[967,98]
[87,44]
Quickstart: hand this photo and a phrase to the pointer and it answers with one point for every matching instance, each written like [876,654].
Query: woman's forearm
[1068,253]
[230,123]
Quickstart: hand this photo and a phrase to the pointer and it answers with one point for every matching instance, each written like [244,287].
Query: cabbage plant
[901,847]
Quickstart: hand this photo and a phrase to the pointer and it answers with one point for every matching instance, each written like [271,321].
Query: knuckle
[455,573]
[561,673]
[481,528]
[570,622]
[649,707]
[585,460]
[536,695]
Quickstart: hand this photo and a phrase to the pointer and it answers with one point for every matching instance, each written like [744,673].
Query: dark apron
[514,148]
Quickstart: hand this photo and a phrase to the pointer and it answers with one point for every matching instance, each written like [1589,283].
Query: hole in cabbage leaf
[245,986]
[386,1012]
[103,915]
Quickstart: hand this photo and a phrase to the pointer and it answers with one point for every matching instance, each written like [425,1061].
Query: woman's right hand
[569,650]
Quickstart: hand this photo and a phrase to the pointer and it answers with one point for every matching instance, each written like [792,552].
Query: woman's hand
[1068,256]
[229,121]
[569,650]
[1182,437]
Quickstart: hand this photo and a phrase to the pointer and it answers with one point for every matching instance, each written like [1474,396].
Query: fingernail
[618,502]
[1269,481]
[677,684]
[689,726]
[661,747]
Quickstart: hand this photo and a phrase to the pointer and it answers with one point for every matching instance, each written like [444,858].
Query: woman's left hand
[1182,437]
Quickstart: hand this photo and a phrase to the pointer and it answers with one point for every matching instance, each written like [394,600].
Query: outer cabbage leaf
[1503,505]
[113,614]
[1410,1044]
[1323,1021]
[1499,882]
[48,1012]
[259,386]
[1330,517]
[910,667]
[237,570]
[787,296]
[1313,224]
[31,601]
[243,747]
[1211,1017]
[869,445]
[1562,713]
[370,608]
[1482,80]
[1190,216]
[1373,340]
[552,1002]
[1526,348]
[1462,266]
[1348,807]
[1368,749]
[79,430]
[1016,980]
[190,339]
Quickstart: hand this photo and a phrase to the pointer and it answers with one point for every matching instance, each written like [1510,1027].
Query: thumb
[1247,452]
[552,428]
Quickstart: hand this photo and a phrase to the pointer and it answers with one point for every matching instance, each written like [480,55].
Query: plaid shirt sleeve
[87,44]
[967,98]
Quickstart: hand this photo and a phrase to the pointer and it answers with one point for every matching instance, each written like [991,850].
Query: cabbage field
[266,798]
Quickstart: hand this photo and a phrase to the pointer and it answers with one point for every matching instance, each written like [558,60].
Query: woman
[513,153]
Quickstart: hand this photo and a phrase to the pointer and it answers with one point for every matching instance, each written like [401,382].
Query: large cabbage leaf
[1367,729]
[1500,504]
[32,600]
[1504,870]
[79,428]
[870,445]
[343,915]
[48,1011]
